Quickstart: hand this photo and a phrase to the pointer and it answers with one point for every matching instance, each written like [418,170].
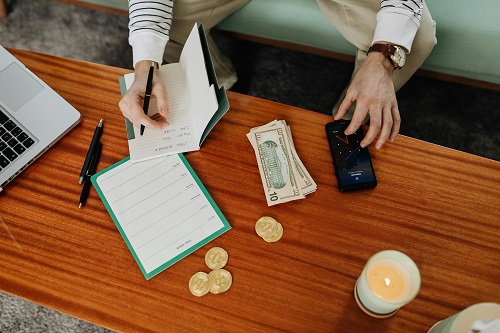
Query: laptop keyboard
[13,141]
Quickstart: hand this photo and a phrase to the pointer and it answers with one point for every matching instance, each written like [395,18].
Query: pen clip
[91,166]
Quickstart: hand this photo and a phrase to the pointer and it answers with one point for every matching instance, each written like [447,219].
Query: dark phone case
[341,125]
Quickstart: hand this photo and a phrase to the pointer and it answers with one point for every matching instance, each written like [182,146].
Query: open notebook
[161,209]
[196,103]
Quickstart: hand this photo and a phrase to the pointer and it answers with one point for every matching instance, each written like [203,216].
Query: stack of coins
[269,229]
[218,280]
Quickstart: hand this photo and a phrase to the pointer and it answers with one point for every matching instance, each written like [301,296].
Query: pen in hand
[92,169]
[91,151]
[149,88]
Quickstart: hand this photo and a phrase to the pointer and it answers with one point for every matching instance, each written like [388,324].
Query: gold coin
[277,236]
[266,226]
[198,284]
[216,258]
[219,280]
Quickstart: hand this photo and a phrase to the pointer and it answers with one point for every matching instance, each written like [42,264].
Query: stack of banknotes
[283,174]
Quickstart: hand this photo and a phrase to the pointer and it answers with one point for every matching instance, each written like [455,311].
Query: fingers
[358,118]
[386,128]
[387,122]
[346,104]
[396,118]
[160,92]
[131,109]
[161,120]
[131,105]
[372,131]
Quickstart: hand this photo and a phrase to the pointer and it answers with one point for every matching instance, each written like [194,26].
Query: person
[375,79]
[156,35]
[392,37]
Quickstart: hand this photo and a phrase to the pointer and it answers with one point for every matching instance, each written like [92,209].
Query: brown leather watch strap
[385,49]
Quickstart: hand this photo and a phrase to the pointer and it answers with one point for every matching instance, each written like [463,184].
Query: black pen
[149,88]
[92,169]
[90,152]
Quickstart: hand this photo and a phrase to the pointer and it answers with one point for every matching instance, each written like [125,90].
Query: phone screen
[352,163]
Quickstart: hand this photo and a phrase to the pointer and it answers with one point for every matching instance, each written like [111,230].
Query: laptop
[32,117]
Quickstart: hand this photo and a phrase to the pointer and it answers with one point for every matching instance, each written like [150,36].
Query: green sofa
[468,32]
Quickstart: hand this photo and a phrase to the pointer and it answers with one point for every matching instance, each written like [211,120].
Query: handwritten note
[161,209]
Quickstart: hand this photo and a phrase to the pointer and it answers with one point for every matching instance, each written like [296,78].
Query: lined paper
[161,209]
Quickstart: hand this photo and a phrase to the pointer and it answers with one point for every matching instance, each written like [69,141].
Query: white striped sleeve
[149,26]
[398,21]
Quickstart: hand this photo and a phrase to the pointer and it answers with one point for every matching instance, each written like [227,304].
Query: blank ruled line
[135,176]
[152,195]
[162,249]
[146,184]
[103,178]
[166,216]
[173,227]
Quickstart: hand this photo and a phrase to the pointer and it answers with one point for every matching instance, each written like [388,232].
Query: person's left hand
[373,90]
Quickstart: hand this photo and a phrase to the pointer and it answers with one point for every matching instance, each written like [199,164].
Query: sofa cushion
[467,32]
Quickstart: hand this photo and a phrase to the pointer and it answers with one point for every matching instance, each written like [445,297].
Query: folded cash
[283,174]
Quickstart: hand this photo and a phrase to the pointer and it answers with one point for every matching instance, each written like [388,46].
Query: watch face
[399,57]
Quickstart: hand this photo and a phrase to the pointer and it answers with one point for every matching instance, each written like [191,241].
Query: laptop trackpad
[17,87]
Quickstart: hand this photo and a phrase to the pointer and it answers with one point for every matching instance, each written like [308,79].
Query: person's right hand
[373,90]
[131,105]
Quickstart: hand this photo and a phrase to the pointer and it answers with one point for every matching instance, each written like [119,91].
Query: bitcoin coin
[266,226]
[277,236]
[219,280]
[216,258]
[198,284]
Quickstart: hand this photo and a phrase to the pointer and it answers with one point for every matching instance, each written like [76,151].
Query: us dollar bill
[306,182]
[276,164]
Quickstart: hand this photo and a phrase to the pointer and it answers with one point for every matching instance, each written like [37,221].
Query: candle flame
[387,282]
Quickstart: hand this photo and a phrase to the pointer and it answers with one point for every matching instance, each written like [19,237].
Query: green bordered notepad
[161,209]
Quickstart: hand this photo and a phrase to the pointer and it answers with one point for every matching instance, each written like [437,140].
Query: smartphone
[353,166]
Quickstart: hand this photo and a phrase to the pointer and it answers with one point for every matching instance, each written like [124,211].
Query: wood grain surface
[437,205]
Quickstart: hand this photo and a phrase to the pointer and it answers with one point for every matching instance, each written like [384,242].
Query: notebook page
[200,93]
[161,209]
[178,135]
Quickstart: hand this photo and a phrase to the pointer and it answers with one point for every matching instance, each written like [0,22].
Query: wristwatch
[396,54]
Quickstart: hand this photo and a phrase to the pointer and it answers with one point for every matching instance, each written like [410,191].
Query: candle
[475,318]
[389,280]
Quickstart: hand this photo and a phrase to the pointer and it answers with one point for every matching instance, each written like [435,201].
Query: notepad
[195,101]
[161,209]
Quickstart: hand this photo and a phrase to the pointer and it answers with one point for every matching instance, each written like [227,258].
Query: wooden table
[437,205]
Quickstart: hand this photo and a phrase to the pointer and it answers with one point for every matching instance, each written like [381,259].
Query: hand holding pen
[131,105]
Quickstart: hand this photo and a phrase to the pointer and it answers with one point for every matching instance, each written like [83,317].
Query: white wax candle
[389,280]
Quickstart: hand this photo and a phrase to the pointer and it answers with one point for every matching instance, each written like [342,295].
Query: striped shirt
[150,22]
[149,26]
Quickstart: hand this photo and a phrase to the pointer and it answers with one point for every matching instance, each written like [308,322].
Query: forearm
[149,28]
